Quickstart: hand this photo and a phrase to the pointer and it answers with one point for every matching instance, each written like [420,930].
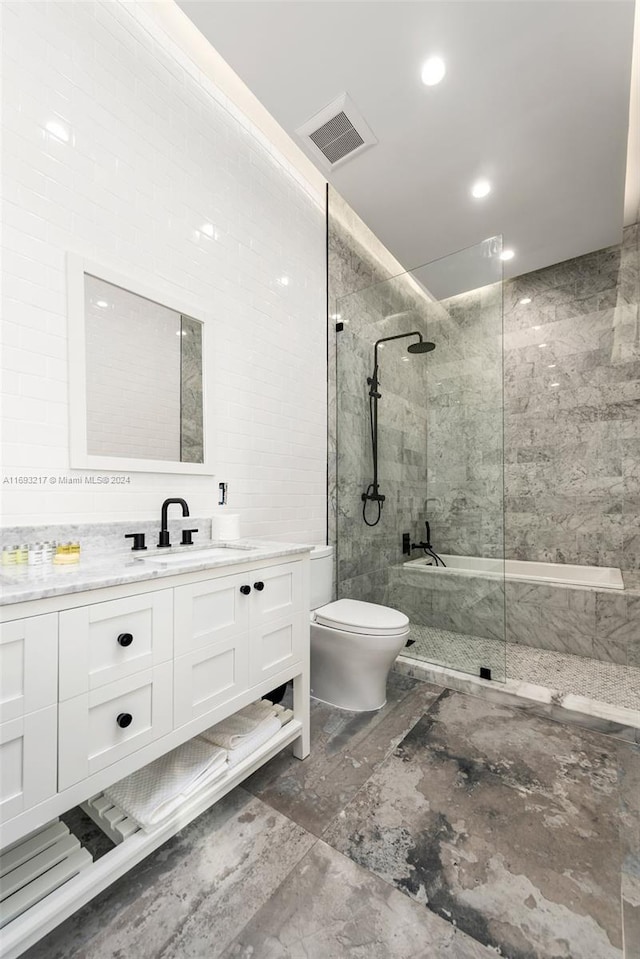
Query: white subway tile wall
[116,147]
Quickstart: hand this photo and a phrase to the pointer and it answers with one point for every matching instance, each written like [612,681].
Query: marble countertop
[25,583]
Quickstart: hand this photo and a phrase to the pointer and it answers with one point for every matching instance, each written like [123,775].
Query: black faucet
[163,539]
[426,547]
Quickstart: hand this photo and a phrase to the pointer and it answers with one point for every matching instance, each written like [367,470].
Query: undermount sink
[198,555]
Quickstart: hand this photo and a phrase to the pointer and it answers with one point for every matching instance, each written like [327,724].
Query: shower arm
[385,339]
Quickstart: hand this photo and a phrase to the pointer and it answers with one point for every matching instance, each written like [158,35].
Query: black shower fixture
[373,493]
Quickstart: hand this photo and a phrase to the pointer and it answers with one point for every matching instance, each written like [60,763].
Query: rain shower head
[421,347]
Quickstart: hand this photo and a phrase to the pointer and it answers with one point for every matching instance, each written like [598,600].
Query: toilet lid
[354,616]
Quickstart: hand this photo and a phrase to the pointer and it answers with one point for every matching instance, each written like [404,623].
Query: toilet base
[349,670]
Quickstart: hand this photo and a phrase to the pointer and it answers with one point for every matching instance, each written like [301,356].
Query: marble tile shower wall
[572,410]
[465,427]
[382,307]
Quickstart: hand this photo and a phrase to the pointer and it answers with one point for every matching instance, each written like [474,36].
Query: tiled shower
[517,439]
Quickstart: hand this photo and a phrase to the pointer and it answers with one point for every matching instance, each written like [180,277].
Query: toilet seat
[354,616]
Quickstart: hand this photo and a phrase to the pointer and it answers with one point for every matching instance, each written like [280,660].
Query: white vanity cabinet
[234,632]
[96,684]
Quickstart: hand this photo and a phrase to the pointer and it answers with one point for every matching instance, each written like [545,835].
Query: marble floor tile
[330,908]
[503,823]
[189,898]
[346,747]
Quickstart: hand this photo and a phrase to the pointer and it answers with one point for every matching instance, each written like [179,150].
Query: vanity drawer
[105,642]
[208,677]
[28,665]
[275,646]
[107,724]
[28,753]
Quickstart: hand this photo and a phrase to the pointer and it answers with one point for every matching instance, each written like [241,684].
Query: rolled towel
[151,794]
[231,732]
[249,744]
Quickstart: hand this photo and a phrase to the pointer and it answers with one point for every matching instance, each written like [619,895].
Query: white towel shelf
[34,868]
[77,879]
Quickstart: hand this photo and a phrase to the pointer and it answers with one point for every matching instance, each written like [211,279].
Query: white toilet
[353,644]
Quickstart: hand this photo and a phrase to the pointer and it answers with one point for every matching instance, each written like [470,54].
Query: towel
[249,744]
[232,732]
[150,795]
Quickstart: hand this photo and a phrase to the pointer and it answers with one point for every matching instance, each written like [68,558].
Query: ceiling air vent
[336,133]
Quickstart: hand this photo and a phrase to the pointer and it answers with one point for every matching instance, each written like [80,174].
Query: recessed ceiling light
[102,304]
[507,255]
[433,70]
[480,188]
[209,230]
[525,300]
[284,281]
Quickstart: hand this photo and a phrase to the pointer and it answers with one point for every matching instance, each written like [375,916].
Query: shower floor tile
[605,682]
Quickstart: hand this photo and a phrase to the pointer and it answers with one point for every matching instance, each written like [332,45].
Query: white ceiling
[536,99]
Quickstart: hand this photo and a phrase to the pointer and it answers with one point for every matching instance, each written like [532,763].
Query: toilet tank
[321,576]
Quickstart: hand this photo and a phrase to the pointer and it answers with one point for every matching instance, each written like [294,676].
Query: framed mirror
[137,366]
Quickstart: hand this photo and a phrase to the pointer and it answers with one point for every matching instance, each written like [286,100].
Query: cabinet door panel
[210,612]
[105,642]
[275,646]
[281,594]
[208,677]
[92,730]
[28,753]
[28,665]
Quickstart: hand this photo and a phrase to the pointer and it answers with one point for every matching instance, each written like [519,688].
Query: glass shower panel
[419,410]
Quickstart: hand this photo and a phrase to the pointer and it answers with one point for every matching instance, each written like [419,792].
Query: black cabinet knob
[124,720]
[245,590]
[125,639]
[259,586]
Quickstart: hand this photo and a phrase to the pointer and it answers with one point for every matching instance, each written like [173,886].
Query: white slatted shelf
[34,868]
[52,907]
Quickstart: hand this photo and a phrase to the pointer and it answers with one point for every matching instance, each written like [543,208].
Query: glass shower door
[419,464]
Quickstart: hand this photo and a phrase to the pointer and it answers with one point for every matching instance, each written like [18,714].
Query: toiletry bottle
[9,556]
[22,553]
[35,554]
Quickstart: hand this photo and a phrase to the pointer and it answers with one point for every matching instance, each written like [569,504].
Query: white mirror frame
[77,266]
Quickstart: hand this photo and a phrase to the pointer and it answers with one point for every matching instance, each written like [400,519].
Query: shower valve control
[406,544]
